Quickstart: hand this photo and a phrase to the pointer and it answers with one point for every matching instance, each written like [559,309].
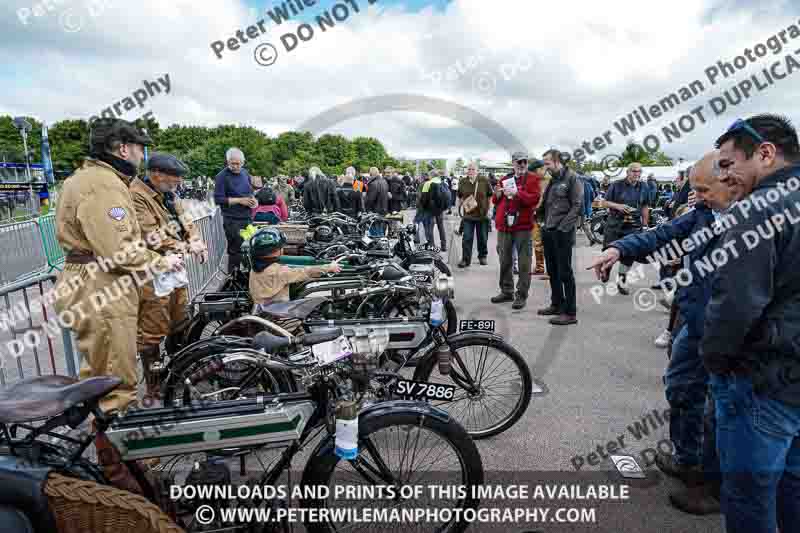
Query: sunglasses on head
[742,125]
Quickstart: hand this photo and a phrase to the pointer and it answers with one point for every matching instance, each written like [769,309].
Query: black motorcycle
[49,481]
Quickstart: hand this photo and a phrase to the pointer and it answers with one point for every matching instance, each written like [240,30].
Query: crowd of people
[733,377]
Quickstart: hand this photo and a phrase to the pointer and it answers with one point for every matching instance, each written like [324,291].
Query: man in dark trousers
[516,197]
[475,214]
[627,202]
[559,213]
[233,193]
[752,326]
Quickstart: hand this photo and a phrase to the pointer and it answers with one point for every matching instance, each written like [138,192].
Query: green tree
[69,144]
[333,152]
[289,144]
[367,152]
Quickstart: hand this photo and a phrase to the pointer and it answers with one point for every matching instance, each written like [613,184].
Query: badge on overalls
[117,213]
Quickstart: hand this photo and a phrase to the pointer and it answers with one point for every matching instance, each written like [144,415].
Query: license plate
[476,325]
[424,391]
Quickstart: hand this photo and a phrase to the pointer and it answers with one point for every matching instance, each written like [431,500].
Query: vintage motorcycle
[493,382]
[52,485]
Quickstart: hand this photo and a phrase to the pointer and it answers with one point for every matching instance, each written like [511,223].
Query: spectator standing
[377,187]
[559,214]
[271,207]
[537,166]
[749,343]
[433,201]
[516,197]
[233,192]
[319,193]
[351,201]
[627,202]
[695,460]
[475,194]
[397,189]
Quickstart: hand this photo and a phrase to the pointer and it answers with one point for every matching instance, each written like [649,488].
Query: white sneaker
[663,340]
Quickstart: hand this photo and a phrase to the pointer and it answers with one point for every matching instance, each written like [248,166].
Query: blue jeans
[758,439]
[686,381]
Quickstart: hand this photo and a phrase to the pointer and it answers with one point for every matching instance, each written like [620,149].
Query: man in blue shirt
[627,202]
[233,193]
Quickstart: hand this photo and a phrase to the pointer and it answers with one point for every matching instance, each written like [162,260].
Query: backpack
[445,196]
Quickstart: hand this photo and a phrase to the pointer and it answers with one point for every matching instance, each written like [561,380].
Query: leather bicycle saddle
[48,396]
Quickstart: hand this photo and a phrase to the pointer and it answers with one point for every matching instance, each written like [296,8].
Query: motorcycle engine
[212,473]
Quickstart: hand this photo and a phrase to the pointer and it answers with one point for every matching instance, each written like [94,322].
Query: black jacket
[351,202]
[752,323]
[320,195]
[398,190]
[377,196]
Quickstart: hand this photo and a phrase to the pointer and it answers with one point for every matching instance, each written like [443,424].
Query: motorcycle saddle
[48,396]
[299,309]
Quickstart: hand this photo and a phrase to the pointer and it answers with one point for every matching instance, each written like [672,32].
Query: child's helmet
[266,241]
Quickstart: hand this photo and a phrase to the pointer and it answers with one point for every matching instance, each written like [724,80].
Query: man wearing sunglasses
[751,340]
[516,197]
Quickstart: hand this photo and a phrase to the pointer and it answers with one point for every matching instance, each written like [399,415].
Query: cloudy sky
[549,73]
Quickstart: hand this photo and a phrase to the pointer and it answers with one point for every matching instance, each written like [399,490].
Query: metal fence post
[71,357]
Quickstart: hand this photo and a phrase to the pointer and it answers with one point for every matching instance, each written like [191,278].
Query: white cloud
[553,73]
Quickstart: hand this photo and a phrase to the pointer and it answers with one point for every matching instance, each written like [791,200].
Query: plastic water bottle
[437,313]
[346,429]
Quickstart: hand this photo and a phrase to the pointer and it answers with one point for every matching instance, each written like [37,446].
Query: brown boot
[150,355]
[115,471]
[698,500]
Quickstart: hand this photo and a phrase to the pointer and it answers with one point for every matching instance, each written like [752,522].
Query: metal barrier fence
[32,343]
[23,253]
[26,345]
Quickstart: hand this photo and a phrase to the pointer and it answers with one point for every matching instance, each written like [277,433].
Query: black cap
[167,163]
[104,131]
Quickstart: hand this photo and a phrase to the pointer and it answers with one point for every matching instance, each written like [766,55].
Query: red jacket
[525,203]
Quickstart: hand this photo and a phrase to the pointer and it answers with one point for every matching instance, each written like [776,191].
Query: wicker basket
[84,506]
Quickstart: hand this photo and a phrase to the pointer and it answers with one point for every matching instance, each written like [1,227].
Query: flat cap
[519,156]
[104,131]
[167,163]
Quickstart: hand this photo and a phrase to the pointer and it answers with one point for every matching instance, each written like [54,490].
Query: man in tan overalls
[166,229]
[96,226]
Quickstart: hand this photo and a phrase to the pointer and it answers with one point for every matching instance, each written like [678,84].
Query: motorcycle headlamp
[444,286]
